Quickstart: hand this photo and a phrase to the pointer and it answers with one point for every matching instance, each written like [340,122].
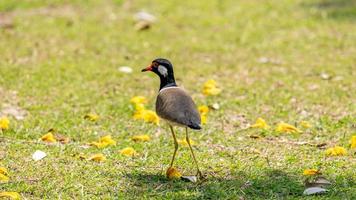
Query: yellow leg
[191,150]
[175,145]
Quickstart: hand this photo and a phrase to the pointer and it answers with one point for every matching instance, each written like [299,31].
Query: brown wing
[175,105]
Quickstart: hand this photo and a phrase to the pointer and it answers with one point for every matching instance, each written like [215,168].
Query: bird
[174,105]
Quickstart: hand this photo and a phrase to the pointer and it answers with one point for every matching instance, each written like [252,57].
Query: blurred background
[71,51]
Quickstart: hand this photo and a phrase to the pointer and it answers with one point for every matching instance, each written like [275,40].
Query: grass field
[290,61]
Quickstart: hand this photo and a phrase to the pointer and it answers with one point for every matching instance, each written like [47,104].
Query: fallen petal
[215,106]
[3,170]
[91,117]
[38,155]
[141,138]
[353,142]
[4,178]
[11,195]
[308,172]
[97,157]
[144,16]
[128,151]
[4,123]
[192,179]
[49,137]
[173,173]
[125,69]
[314,190]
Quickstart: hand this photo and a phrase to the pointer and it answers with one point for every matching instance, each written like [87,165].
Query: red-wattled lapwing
[173,104]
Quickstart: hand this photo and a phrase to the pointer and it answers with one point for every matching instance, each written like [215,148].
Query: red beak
[148,68]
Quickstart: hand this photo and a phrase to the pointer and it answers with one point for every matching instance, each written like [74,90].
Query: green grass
[62,58]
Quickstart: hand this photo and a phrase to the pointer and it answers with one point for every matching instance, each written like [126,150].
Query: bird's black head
[164,69]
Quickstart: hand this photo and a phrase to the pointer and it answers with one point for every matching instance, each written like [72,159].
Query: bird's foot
[199,175]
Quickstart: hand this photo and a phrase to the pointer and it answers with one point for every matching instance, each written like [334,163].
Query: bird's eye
[155,64]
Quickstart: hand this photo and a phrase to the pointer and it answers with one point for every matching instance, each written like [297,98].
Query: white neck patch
[166,88]
[162,70]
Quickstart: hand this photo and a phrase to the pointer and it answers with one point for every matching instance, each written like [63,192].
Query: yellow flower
[4,178]
[173,173]
[151,116]
[139,114]
[48,138]
[11,195]
[3,170]
[92,117]
[336,151]
[203,109]
[4,123]
[308,172]
[138,100]
[147,116]
[185,143]
[143,138]
[353,142]
[139,107]
[287,128]
[99,144]
[260,123]
[203,118]
[107,139]
[104,142]
[305,124]
[210,88]
[97,157]
[128,151]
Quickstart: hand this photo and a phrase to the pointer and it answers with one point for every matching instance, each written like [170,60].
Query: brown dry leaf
[321,145]
[62,139]
[143,25]
[255,137]
[51,136]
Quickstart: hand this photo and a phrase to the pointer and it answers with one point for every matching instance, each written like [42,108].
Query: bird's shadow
[272,183]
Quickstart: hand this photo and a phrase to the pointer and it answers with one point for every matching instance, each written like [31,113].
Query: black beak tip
[143,70]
